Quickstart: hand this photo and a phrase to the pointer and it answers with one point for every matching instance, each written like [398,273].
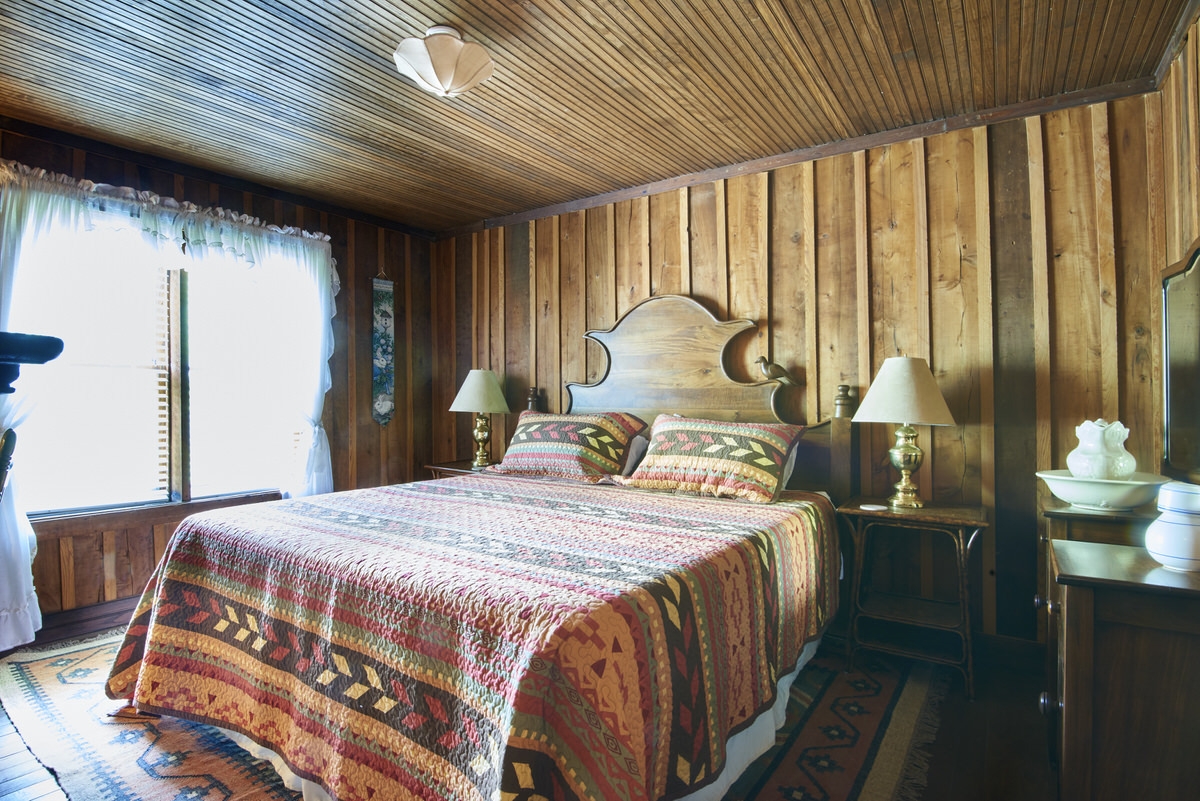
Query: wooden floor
[989,749]
[995,747]
[22,778]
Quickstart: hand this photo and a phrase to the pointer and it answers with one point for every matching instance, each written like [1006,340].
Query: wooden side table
[447,469]
[924,628]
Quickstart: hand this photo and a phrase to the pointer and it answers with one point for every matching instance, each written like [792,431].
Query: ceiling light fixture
[442,63]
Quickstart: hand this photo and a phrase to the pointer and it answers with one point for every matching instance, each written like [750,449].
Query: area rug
[856,736]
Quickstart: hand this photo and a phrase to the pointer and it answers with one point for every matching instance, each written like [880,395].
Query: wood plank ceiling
[589,96]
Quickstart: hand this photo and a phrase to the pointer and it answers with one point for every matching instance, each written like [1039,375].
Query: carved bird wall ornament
[774,371]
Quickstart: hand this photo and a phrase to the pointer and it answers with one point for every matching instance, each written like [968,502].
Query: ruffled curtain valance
[187,226]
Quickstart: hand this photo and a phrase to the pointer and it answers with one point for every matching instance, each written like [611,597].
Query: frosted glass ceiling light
[442,63]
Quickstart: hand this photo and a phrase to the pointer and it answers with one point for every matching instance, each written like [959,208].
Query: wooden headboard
[667,355]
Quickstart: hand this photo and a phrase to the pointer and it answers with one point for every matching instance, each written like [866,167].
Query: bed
[514,635]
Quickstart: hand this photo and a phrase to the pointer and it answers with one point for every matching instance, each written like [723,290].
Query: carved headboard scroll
[667,355]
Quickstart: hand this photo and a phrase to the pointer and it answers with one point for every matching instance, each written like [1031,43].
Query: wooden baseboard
[85,620]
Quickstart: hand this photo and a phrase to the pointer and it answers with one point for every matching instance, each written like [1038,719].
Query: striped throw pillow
[584,447]
[713,457]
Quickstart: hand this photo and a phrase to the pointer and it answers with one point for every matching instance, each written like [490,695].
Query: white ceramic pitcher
[1101,452]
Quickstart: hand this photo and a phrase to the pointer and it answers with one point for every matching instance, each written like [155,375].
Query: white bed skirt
[743,748]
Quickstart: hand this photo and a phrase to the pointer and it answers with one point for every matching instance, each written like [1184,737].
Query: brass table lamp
[481,393]
[905,392]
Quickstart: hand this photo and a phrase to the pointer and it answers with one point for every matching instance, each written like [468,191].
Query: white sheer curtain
[33,201]
[24,215]
[282,374]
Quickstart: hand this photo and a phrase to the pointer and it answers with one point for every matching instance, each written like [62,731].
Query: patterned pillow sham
[712,457]
[584,447]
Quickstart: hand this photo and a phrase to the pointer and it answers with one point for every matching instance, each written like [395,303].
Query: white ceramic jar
[1101,451]
[1173,538]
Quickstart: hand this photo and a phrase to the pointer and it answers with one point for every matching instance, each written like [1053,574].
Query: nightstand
[447,469]
[910,625]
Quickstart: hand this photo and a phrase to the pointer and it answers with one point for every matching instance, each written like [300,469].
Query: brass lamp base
[906,457]
[482,434]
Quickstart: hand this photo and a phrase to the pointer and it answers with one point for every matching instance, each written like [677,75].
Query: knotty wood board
[547,361]
[572,237]
[669,258]
[601,284]
[1016,523]
[710,277]
[749,277]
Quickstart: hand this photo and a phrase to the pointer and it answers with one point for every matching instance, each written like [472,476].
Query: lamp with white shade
[905,392]
[480,393]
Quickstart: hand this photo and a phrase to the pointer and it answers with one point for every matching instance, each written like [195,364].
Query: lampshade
[904,391]
[480,392]
[442,63]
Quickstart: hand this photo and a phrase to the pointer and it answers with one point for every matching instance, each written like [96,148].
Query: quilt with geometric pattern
[483,637]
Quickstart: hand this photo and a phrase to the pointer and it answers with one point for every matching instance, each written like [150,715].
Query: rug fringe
[916,767]
[72,643]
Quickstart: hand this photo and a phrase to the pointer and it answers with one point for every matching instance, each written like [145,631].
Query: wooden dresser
[1067,522]
[1126,703]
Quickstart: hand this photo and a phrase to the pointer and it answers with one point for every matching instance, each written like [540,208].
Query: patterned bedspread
[484,638]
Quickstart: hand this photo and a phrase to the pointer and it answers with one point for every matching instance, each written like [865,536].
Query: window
[250,335]
[97,426]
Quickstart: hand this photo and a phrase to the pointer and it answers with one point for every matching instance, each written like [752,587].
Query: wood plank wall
[87,560]
[1021,259]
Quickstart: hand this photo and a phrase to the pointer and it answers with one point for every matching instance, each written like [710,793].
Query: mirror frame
[1188,266]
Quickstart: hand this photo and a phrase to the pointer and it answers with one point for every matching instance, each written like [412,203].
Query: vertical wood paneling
[954,347]
[1014,164]
[1106,264]
[162,533]
[497,341]
[898,307]
[364,434]
[66,565]
[669,273]
[706,220]
[862,294]
[839,302]
[338,415]
[987,419]
[1040,272]
[108,541]
[632,218]
[601,284]
[518,372]
[344,424]
[443,338]
[1077,374]
[573,284]
[748,242]
[421,358]
[466,326]
[810,292]
[1042,331]
[791,281]
[1140,246]
[1173,91]
[402,430]
[547,313]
